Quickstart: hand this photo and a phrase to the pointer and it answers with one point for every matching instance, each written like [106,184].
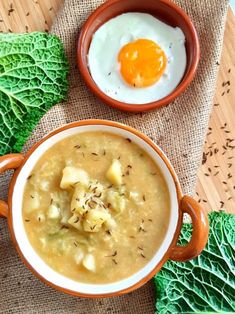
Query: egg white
[117,32]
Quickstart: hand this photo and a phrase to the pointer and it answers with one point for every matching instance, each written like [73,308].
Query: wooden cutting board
[216,183]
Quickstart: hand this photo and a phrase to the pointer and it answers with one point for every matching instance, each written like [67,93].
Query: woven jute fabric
[178,128]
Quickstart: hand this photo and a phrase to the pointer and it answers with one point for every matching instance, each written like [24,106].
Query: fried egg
[137,59]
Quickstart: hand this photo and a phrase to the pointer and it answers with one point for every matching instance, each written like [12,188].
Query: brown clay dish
[164,10]
[180,204]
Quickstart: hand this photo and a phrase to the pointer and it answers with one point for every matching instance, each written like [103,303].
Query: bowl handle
[11,161]
[200,231]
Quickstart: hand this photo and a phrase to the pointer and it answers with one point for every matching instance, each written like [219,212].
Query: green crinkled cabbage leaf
[33,77]
[207,283]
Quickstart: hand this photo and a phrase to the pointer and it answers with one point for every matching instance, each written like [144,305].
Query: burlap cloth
[179,129]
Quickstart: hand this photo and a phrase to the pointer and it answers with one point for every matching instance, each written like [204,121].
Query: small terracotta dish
[180,204]
[165,11]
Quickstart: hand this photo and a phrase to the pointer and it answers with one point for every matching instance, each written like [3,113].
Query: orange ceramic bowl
[164,10]
[180,204]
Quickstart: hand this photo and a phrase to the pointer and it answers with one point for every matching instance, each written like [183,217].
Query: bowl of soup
[95,209]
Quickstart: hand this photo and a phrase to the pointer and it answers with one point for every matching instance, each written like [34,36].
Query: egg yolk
[142,62]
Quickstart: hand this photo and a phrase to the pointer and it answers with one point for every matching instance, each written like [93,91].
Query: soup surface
[96,207]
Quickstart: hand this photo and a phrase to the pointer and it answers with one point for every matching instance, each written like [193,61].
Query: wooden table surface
[216,184]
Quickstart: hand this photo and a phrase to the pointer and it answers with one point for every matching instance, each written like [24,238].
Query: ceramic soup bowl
[179,204]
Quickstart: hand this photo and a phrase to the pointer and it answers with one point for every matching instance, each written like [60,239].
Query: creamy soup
[96,207]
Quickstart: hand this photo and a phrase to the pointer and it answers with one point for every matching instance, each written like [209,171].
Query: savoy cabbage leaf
[33,77]
[207,283]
